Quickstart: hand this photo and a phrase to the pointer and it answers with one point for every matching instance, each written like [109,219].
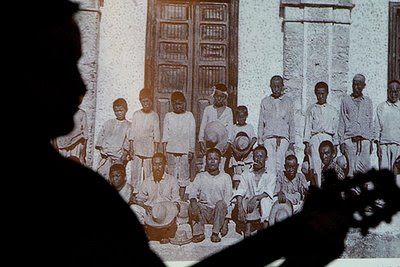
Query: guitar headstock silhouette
[367,199]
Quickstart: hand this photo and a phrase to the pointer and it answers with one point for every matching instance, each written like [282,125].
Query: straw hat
[162,214]
[216,133]
[280,211]
[241,141]
[182,236]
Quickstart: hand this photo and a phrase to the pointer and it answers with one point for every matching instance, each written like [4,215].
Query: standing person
[144,137]
[210,195]
[321,124]
[179,135]
[242,156]
[356,127]
[387,127]
[112,142]
[218,111]
[256,192]
[276,125]
[75,143]
[159,191]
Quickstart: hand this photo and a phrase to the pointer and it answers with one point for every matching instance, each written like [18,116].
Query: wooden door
[191,46]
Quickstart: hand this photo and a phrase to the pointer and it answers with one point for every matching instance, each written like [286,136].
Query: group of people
[256,174]
[73,217]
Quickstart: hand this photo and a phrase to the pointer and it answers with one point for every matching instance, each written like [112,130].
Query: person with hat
[112,142]
[291,185]
[216,136]
[387,131]
[210,195]
[276,129]
[321,124]
[241,142]
[356,129]
[144,137]
[218,111]
[327,152]
[157,201]
[179,136]
[255,193]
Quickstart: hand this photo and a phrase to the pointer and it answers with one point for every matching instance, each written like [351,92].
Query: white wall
[260,52]
[123,37]
[121,57]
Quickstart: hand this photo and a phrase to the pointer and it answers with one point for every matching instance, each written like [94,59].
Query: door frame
[150,53]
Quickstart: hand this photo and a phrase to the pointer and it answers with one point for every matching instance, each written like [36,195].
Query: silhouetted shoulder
[82,219]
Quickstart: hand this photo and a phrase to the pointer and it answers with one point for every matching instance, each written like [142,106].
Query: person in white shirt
[74,144]
[179,134]
[255,194]
[387,127]
[321,124]
[355,129]
[144,137]
[241,159]
[276,129]
[218,111]
[210,195]
[112,141]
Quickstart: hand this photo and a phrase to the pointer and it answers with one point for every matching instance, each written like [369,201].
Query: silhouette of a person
[71,216]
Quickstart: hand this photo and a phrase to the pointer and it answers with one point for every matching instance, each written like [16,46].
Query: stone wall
[316,48]
[88,19]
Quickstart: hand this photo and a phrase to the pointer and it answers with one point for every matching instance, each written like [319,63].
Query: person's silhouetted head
[50,81]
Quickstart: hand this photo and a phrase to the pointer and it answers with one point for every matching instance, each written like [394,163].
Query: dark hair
[117,167]
[291,157]
[213,150]
[326,143]
[120,102]
[160,155]
[177,95]
[242,108]
[145,93]
[321,85]
[276,77]
[221,87]
[74,158]
[262,148]
[393,81]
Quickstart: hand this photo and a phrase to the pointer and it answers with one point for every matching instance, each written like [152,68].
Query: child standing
[144,137]
[179,141]
[112,140]
[242,158]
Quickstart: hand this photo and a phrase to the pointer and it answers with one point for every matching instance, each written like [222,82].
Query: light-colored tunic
[208,189]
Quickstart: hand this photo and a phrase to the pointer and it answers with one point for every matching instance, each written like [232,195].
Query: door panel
[190,47]
[174,38]
[211,48]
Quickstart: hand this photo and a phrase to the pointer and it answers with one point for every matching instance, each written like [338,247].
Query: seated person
[255,193]
[160,187]
[118,181]
[327,153]
[291,185]
[209,195]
